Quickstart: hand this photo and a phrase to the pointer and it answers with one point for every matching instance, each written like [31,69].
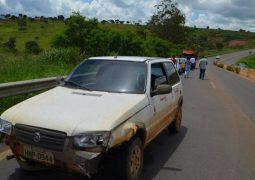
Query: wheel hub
[135,163]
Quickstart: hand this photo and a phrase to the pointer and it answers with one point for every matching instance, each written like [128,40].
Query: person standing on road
[193,63]
[187,67]
[202,66]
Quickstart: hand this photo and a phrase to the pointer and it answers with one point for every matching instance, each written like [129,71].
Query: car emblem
[37,137]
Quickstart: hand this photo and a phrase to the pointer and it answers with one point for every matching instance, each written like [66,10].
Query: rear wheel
[175,126]
[130,160]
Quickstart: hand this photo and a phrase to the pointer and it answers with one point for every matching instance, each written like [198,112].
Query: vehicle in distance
[189,54]
[105,112]
[217,57]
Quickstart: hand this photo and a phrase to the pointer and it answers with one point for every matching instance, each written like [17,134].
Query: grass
[23,67]
[44,31]
[249,61]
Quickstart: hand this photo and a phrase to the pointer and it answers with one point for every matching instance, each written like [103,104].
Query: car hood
[75,111]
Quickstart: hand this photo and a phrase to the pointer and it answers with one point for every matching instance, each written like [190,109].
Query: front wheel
[130,160]
[175,126]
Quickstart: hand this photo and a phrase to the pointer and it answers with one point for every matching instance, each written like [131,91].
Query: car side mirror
[162,89]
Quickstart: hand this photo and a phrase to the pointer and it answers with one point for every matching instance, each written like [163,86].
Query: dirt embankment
[249,73]
[233,43]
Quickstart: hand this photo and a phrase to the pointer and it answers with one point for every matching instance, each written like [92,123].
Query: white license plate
[38,154]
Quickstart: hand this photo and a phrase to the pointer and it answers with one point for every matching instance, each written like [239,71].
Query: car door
[173,80]
[161,103]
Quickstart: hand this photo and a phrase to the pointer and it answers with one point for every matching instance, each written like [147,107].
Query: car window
[172,74]
[110,76]
[158,75]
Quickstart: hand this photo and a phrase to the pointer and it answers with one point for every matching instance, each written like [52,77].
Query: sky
[224,14]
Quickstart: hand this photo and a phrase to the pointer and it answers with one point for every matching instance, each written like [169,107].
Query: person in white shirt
[202,66]
[193,63]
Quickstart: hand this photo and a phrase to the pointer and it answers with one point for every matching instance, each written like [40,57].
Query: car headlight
[5,127]
[92,141]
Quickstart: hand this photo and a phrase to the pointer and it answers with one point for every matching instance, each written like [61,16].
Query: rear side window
[172,74]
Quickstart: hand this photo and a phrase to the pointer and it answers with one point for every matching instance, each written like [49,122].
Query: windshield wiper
[73,83]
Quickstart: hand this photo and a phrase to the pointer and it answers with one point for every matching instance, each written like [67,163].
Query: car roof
[126,58]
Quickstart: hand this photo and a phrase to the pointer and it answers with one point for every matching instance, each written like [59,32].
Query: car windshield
[109,76]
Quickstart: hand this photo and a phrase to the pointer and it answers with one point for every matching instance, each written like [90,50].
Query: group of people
[190,64]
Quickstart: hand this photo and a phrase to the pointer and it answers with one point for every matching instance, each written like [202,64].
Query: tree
[111,21]
[117,21]
[78,32]
[13,17]
[22,23]
[7,16]
[168,22]
[104,21]
[61,18]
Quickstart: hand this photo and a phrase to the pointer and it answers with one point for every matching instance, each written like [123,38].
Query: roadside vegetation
[43,47]
[232,68]
[249,61]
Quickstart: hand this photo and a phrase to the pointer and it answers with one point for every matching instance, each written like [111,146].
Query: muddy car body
[108,108]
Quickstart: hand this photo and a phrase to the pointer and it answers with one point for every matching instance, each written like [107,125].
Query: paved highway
[216,139]
[230,59]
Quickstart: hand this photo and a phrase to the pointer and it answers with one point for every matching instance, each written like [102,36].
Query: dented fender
[125,132]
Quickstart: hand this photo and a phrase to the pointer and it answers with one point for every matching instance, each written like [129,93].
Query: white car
[217,57]
[107,110]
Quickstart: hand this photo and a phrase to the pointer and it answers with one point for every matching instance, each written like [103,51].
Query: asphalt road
[230,59]
[216,140]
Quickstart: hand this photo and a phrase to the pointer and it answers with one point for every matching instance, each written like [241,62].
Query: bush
[220,65]
[157,47]
[32,47]
[11,43]
[62,56]
[237,69]
[230,68]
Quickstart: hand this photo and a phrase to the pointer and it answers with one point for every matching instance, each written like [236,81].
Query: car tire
[175,126]
[130,160]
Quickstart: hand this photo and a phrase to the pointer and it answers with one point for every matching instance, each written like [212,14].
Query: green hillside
[42,31]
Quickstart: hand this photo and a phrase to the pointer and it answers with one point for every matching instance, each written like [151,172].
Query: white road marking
[213,85]
[4,154]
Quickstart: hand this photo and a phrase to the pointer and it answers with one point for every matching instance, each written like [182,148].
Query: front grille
[49,139]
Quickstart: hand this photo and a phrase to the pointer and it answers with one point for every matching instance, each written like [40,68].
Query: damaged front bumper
[70,159]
